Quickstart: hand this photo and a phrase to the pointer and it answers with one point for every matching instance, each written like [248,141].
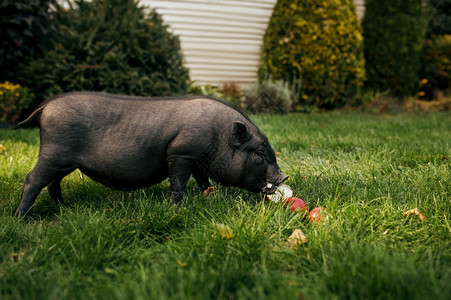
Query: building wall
[220,39]
[360,8]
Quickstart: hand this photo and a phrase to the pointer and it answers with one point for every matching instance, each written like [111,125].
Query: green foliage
[229,92]
[436,65]
[23,24]
[14,99]
[233,93]
[319,43]
[392,36]
[269,96]
[113,46]
[439,17]
[436,52]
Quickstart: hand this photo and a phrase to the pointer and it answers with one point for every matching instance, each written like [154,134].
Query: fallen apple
[297,205]
[318,214]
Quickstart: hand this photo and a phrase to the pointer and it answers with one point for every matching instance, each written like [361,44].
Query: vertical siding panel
[220,39]
[360,8]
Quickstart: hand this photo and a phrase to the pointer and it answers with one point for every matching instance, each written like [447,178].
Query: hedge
[319,44]
[393,32]
[108,45]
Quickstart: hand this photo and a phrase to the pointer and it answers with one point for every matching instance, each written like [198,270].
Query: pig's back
[93,111]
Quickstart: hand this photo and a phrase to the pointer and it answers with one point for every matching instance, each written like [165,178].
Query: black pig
[133,142]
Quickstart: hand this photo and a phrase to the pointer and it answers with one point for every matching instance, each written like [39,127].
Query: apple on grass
[318,214]
[297,205]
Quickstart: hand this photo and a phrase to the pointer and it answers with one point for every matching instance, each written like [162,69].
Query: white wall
[220,39]
[360,8]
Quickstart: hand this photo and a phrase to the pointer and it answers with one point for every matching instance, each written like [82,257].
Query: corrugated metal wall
[220,39]
[360,8]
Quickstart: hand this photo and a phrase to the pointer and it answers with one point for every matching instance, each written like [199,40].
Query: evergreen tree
[109,45]
[393,32]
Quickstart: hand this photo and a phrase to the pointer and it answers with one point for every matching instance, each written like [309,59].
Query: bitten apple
[282,192]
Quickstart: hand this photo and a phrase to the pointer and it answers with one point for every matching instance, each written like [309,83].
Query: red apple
[318,214]
[297,205]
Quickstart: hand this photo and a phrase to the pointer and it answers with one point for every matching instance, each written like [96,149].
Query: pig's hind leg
[179,173]
[41,176]
[54,189]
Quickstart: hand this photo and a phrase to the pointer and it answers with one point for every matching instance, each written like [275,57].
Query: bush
[233,94]
[436,66]
[392,33]
[112,46]
[269,96]
[439,21]
[318,42]
[23,24]
[14,99]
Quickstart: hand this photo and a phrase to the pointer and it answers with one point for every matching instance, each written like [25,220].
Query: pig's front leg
[179,173]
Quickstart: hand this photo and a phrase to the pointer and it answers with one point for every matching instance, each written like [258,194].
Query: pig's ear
[240,134]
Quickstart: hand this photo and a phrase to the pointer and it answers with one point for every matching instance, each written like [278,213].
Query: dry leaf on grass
[225,231]
[210,190]
[2,148]
[414,211]
[296,238]
[181,264]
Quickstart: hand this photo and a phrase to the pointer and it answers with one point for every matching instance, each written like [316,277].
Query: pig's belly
[126,176]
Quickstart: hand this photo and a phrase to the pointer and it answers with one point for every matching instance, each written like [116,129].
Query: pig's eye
[258,157]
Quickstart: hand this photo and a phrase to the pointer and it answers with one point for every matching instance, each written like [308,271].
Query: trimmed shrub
[230,92]
[392,33]
[436,66]
[14,99]
[109,45]
[23,24]
[319,43]
[270,96]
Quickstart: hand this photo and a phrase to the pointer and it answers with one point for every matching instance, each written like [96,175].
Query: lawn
[365,169]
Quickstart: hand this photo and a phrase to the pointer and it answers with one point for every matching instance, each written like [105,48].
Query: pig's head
[253,163]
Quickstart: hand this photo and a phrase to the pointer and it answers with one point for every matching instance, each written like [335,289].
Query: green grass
[365,169]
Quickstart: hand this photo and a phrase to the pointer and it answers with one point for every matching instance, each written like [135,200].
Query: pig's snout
[282,179]
[270,188]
